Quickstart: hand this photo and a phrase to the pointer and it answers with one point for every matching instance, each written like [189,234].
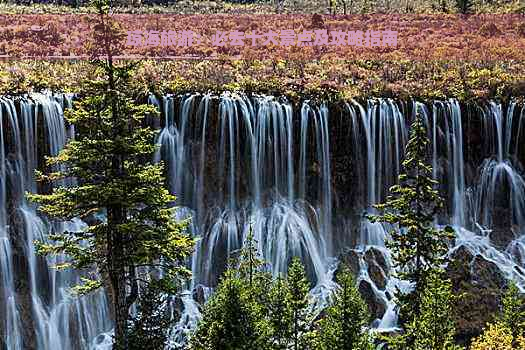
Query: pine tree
[231,319]
[148,328]
[343,327]
[417,246]
[279,314]
[249,263]
[434,327]
[236,317]
[110,161]
[297,301]
[250,268]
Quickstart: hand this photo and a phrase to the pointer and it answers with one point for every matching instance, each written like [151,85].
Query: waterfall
[277,181]
[383,129]
[251,163]
[46,306]
[11,321]
[255,180]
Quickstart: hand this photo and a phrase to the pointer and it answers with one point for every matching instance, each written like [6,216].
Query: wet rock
[477,307]
[501,237]
[487,274]
[480,284]
[374,254]
[375,261]
[503,231]
[350,258]
[376,306]
[199,294]
[377,275]
[516,250]
[377,267]
[462,254]
[177,307]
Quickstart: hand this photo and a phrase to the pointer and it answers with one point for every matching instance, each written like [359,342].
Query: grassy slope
[328,79]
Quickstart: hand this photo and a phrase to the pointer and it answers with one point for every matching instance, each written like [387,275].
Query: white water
[238,163]
[59,320]
[271,191]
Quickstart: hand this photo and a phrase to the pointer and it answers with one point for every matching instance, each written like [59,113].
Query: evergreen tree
[279,314]
[236,317]
[109,160]
[343,327]
[434,327]
[297,301]
[231,319]
[250,270]
[149,328]
[249,261]
[417,246]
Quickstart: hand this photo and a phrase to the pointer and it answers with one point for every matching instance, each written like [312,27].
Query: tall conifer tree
[418,247]
[343,327]
[280,316]
[231,319]
[297,301]
[110,160]
[433,328]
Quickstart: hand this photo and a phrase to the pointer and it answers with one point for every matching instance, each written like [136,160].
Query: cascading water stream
[473,218]
[11,321]
[239,163]
[382,128]
[45,307]
[263,199]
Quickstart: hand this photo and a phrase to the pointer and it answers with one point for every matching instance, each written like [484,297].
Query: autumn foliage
[420,36]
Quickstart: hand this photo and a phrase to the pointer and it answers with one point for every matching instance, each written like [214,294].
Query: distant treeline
[78,3]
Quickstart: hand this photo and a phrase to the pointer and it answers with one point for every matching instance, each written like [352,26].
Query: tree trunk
[116,215]
[118,283]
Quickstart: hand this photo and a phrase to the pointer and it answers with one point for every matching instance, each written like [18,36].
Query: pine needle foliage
[280,314]
[110,162]
[417,246]
[236,316]
[298,300]
[434,327]
[148,328]
[344,324]
[231,319]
